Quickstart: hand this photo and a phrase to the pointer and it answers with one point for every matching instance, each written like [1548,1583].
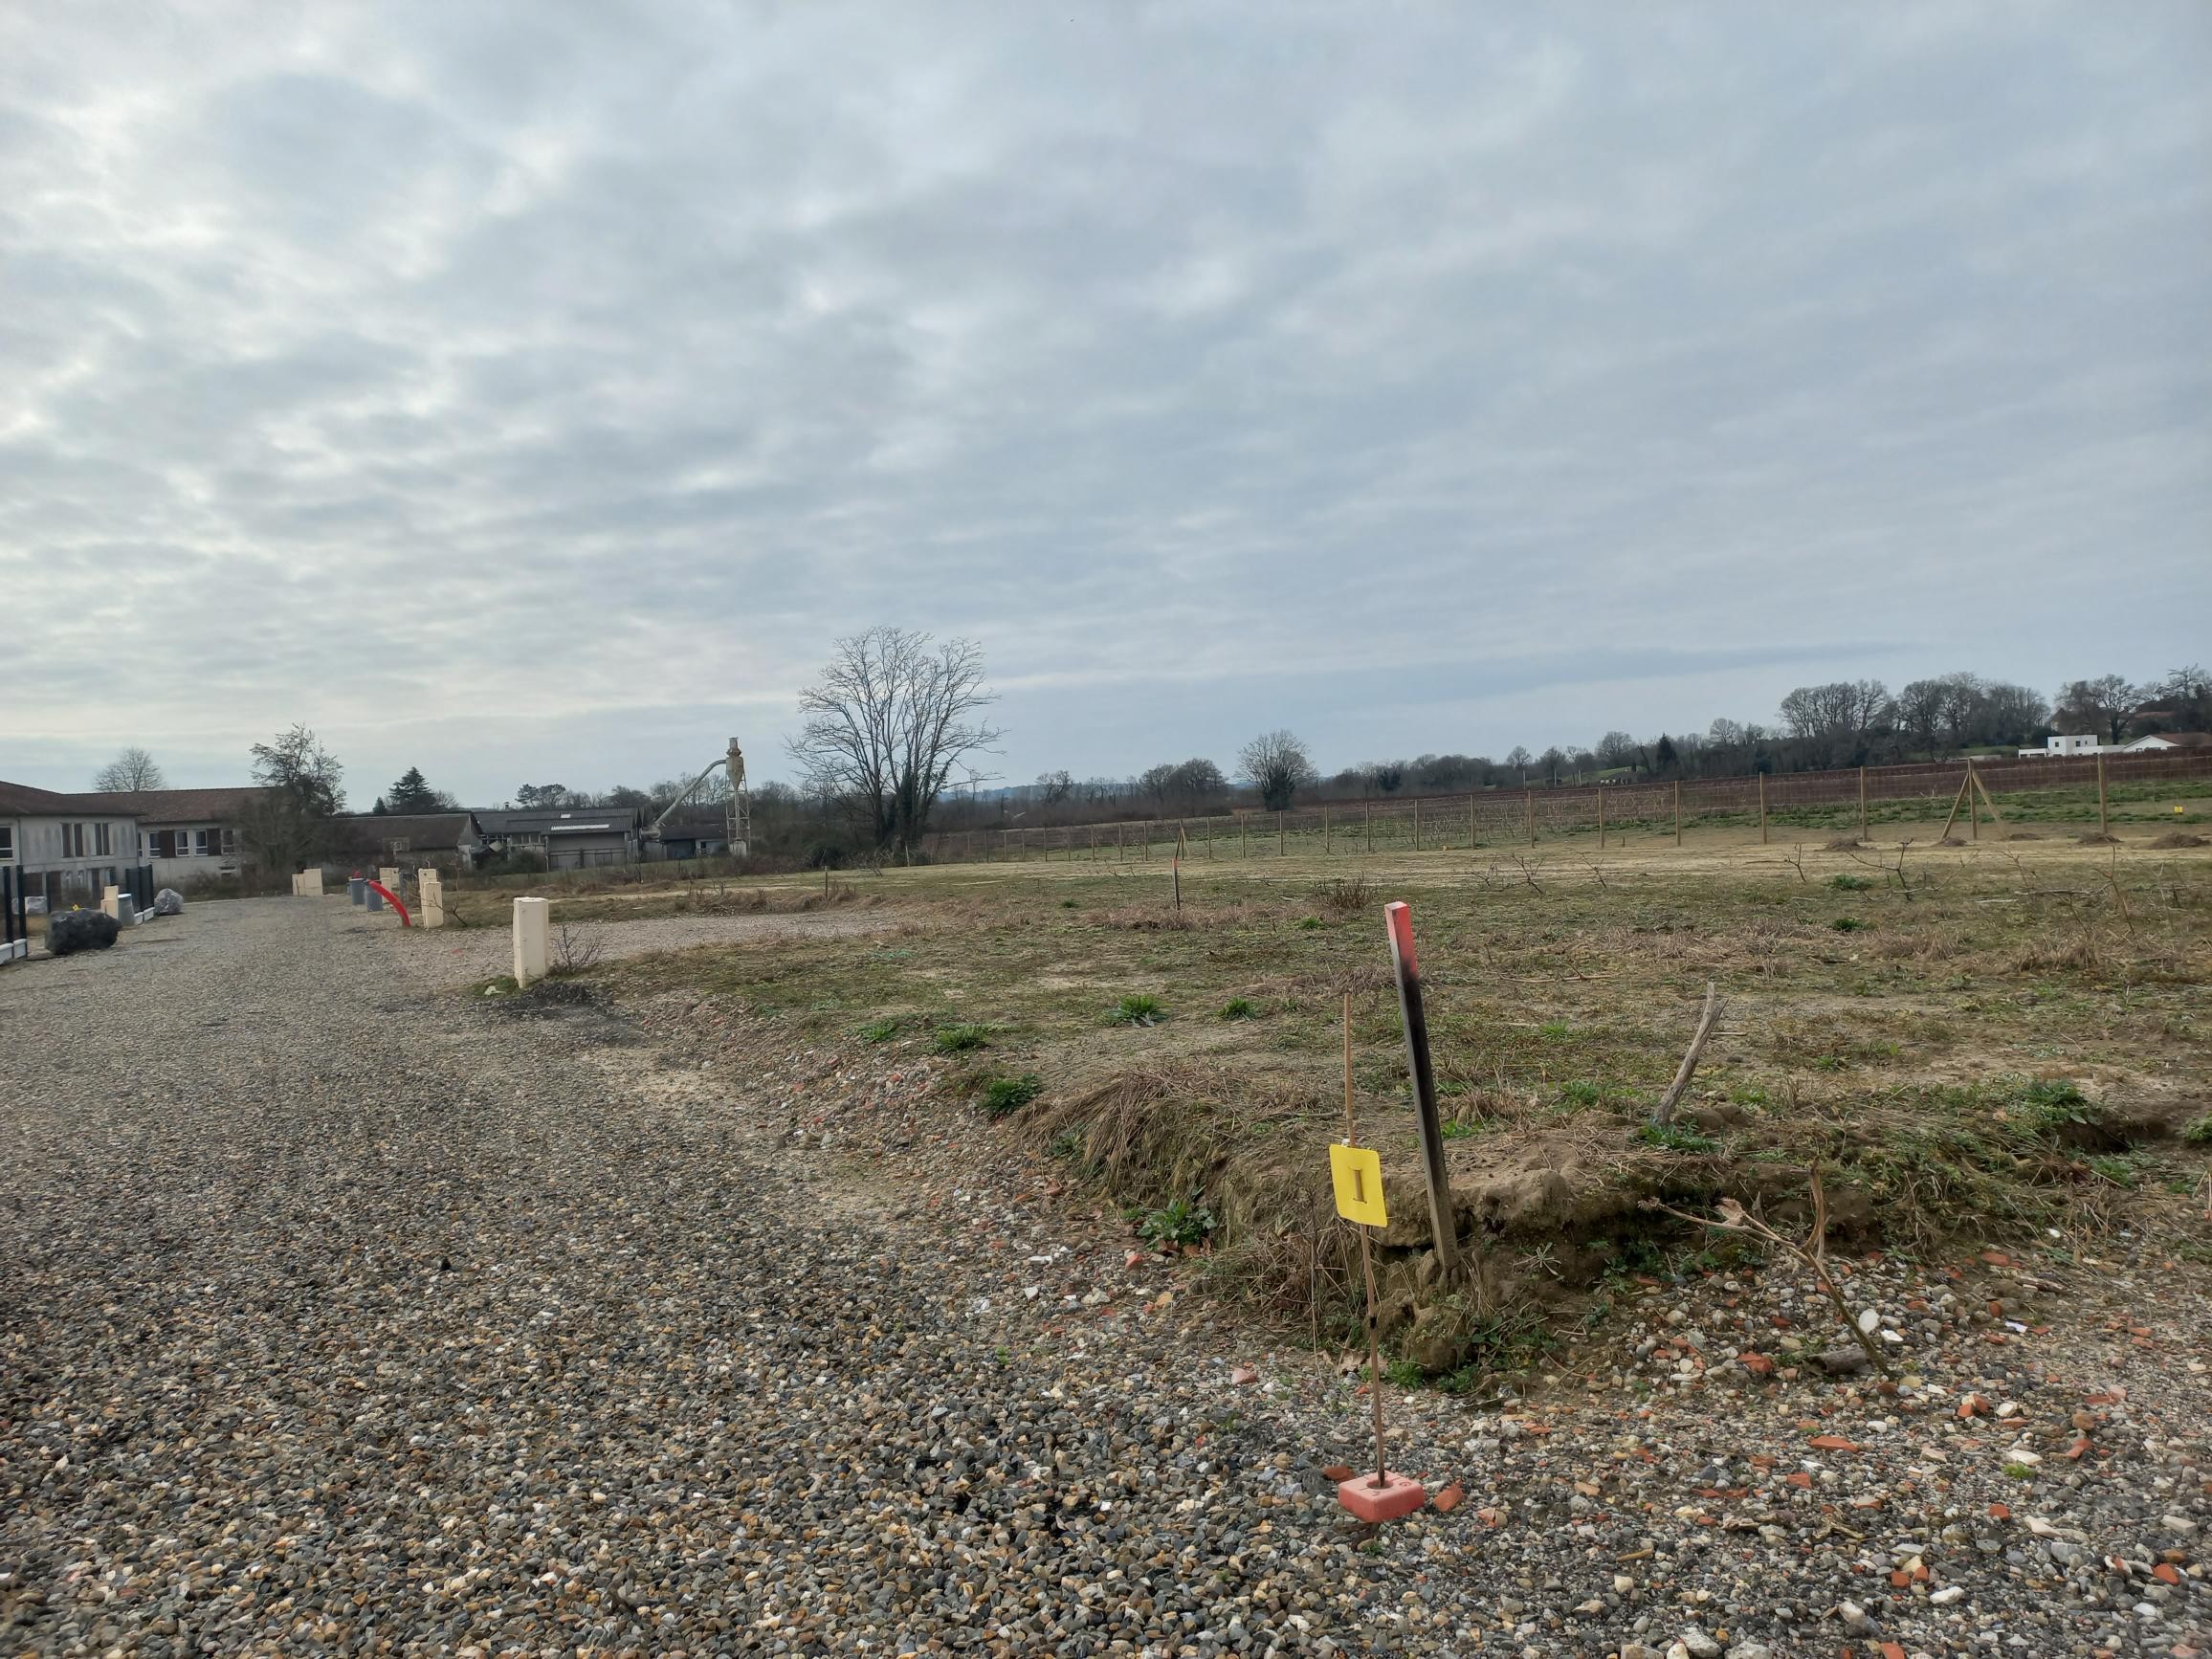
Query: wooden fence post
[2103,824]
[1862,803]
[1973,805]
[1529,801]
[1281,850]
[1328,835]
[1368,825]
[1763,808]
[1601,817]
[1244,837]
[1417,823]
[1471,837]
[1678,811]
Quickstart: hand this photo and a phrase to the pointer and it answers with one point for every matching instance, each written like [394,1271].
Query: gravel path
[345,1314]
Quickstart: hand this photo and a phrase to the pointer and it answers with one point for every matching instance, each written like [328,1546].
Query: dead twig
[1813,1253]
[1527,874]
[1664,1113]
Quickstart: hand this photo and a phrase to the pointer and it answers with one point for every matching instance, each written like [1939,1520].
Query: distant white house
[2063,743]
[2166,742]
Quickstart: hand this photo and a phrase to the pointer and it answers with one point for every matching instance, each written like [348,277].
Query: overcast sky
[534,392]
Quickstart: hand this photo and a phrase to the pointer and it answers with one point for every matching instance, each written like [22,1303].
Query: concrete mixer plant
[740,801]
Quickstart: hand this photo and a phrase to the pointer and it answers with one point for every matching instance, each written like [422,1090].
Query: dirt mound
[2177,838]
[2025,835]
[2097,838]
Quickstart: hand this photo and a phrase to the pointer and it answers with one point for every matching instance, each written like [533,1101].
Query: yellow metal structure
[1358,1174]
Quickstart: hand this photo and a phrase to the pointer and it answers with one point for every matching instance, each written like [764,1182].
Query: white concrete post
[430,885]
[531,919]
[388,875]
[110,904]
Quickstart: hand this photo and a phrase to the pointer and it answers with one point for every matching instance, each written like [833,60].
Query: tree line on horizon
[896,725]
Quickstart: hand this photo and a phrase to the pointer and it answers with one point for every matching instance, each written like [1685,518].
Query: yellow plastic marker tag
[1358,1172]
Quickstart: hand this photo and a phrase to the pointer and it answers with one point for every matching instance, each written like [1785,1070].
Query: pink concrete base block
[1399,1495]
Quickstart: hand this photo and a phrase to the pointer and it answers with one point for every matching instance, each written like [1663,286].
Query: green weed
[1003,1097]
[880,1030]
[1238,1008]
[1676,1138]
[1141,1009]
[1181,1221]
[959,1039]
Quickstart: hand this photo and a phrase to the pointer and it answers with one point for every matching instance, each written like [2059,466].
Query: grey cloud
[386,365]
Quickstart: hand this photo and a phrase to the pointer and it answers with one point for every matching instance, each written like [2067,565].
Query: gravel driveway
[344,1313]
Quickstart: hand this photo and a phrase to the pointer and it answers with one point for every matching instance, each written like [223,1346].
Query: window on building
[7,840]
[99,839]
[230,841]
[202,846]
[72,841]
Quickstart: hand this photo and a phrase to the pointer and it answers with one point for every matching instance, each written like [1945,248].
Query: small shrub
[1463,1128]
[1002,1096]
[1555,1030]
[1308,924]
[1404,1374]
[1582,1092]
[2200,1133]
[573,953]
[1140,1009]
[1676,1138]
[1850,883]
[1352,898]
[959,1039]
[1180,1222]
[1239,1008]
[1846,924]
[1068,1144]
[880,1030]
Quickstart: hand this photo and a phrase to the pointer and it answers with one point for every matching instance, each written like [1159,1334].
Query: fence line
[1525,816]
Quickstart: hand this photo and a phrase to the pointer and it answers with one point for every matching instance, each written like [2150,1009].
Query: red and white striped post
[1399,915]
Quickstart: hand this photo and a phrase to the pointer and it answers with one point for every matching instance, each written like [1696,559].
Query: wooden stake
[1973,805]
[1366,1264]
[1601,816]
[1763,808]
[1281,850]
[1417,823]
[1987,800]
[1664,1113]
[2103,824]
[1367,823]
[1862,803]
[1678,811]
[1529,802]
[1471,834]
[1957,800]
[1328,835]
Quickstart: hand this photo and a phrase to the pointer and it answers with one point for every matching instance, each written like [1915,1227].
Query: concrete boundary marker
[532,928]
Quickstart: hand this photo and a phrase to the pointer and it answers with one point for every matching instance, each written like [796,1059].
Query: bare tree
[2100,705]
[132,771]
[1055,787]
[302,787]
[886,724]
[1275,765]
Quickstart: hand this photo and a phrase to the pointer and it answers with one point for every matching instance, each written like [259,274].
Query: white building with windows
[67,848]
[186,834]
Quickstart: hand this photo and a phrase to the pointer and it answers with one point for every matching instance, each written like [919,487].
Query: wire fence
[1858,800]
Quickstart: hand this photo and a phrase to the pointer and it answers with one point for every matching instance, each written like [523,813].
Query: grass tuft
[959,1039]
[1239,1008]
[1003,1097]
[1143,1009]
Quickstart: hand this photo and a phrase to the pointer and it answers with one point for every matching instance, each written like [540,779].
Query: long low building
[565,837]
[66,847]
[187,835]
